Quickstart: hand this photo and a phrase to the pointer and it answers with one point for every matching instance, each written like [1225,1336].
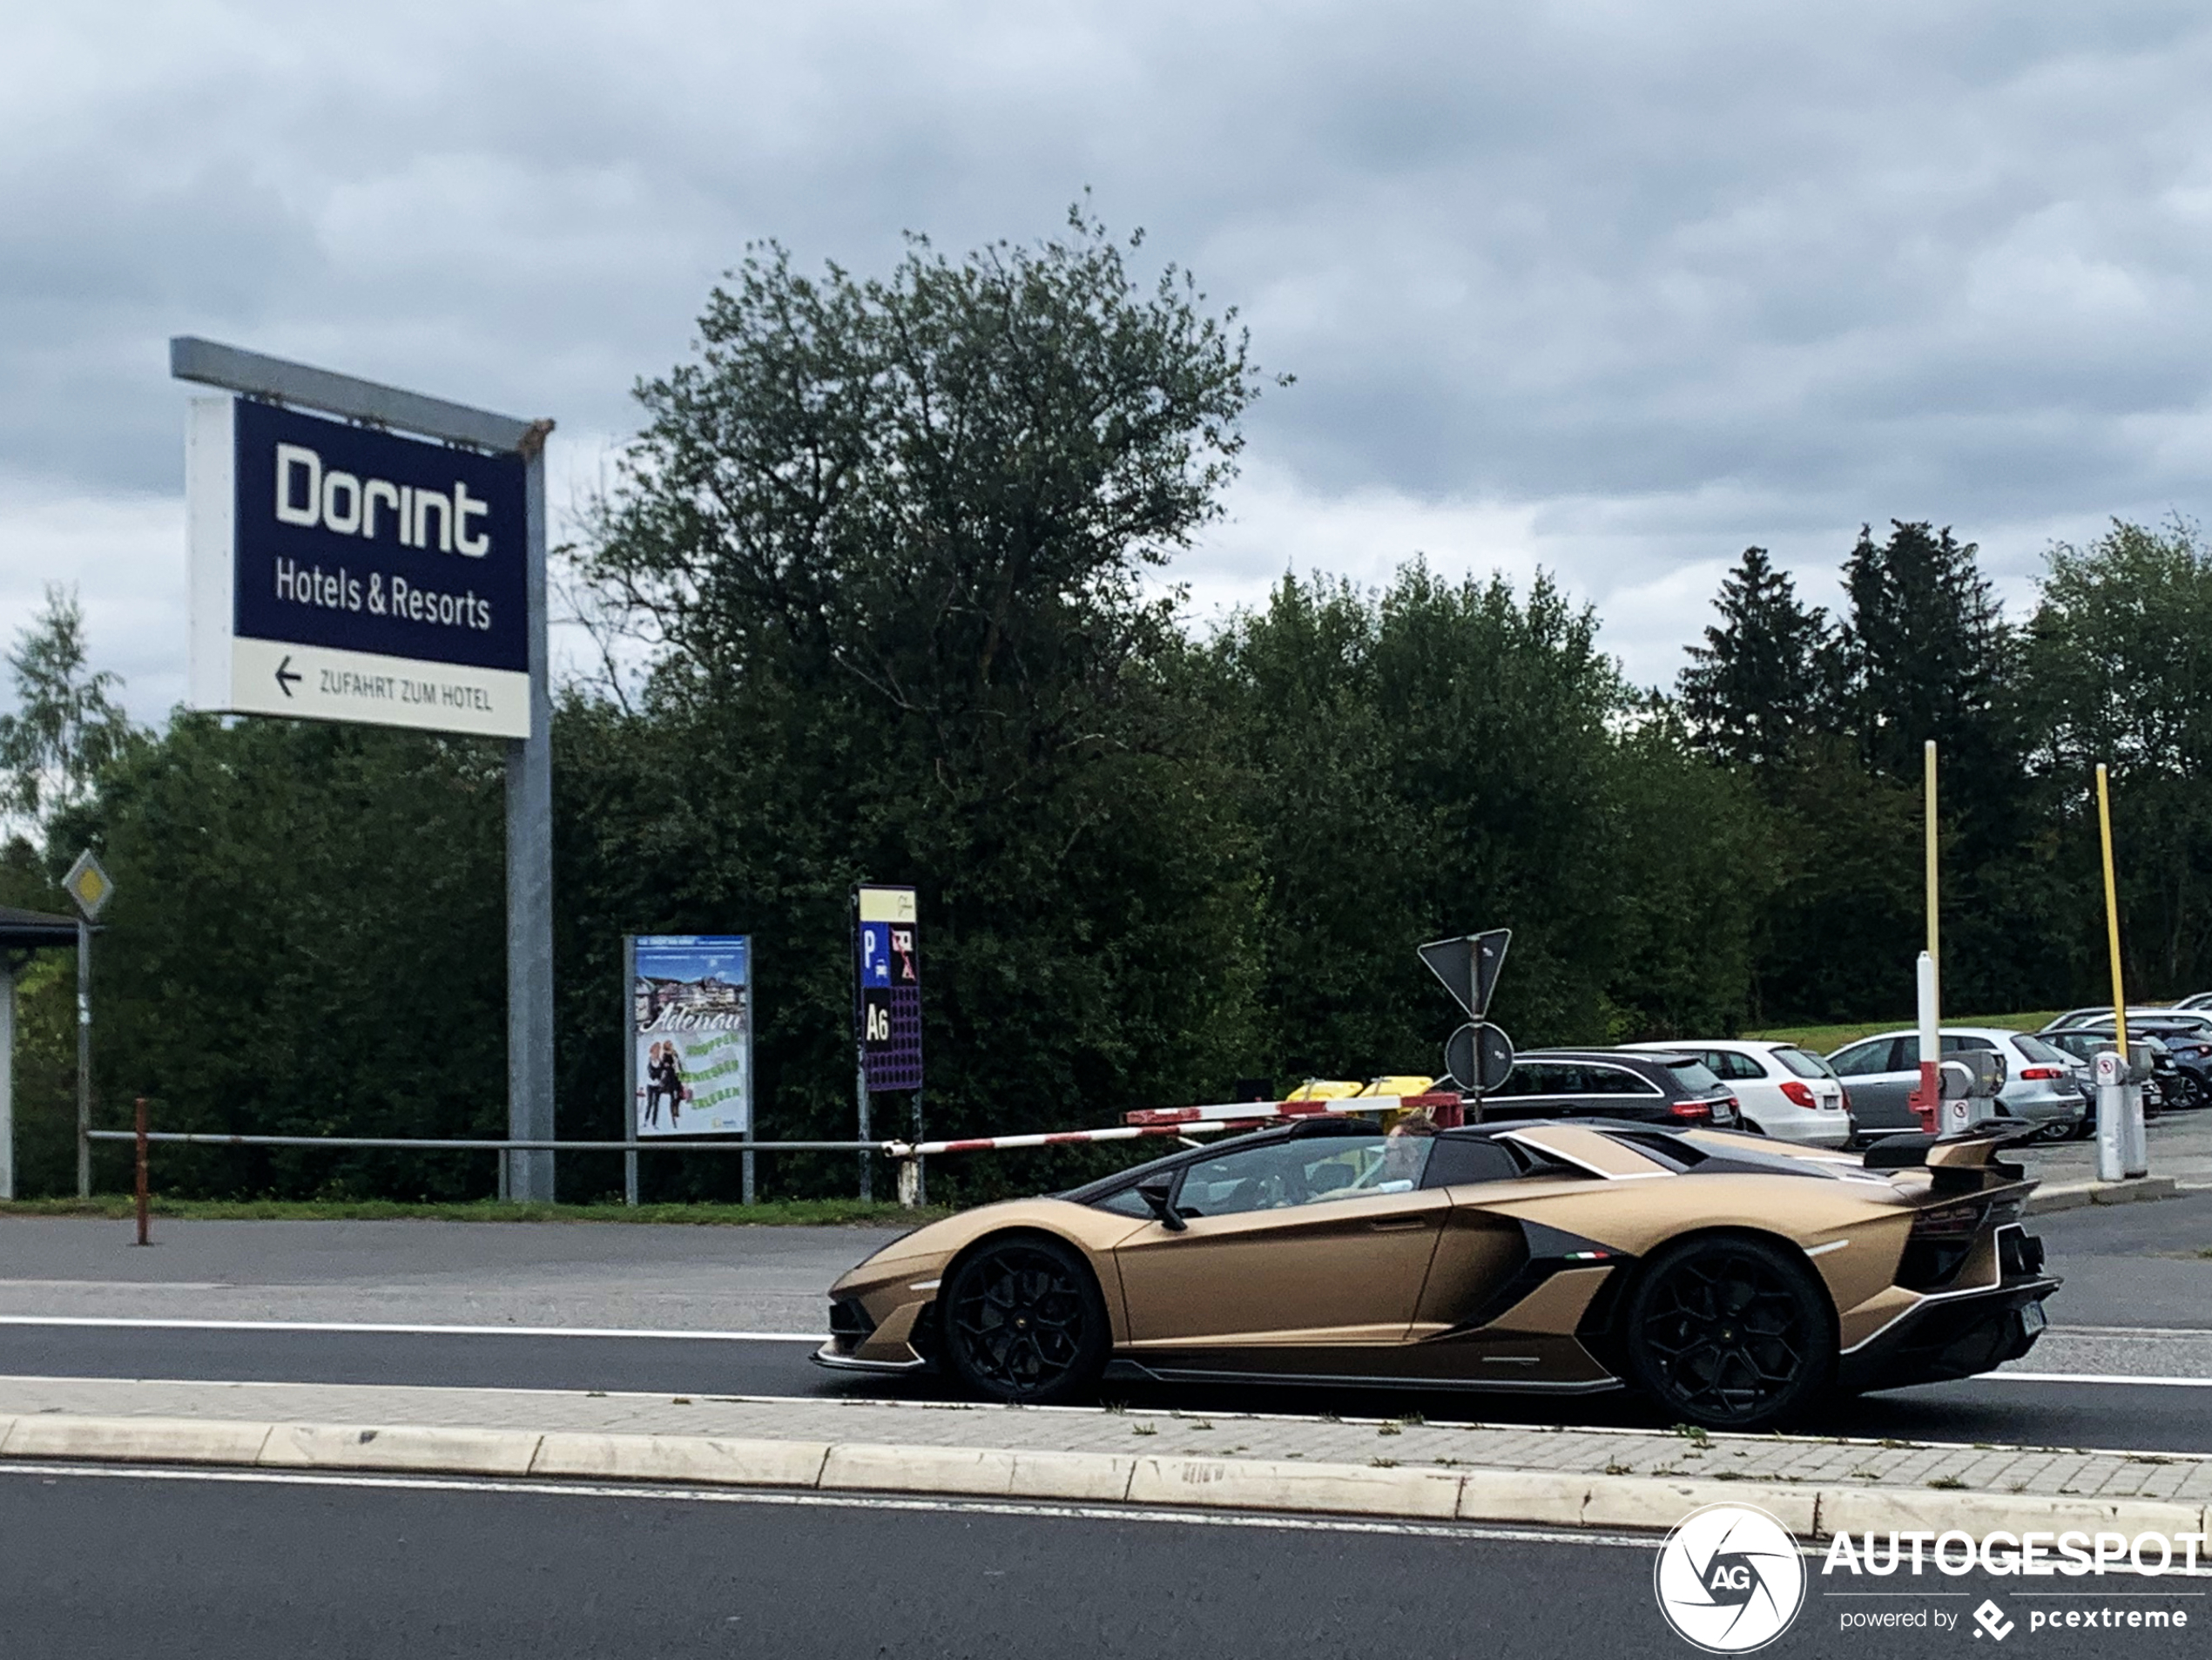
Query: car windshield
[1694,1076]
[1804,1063]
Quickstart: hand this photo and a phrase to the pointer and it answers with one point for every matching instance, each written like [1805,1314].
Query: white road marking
[841,1502]
[815,1338]
[2091,1377]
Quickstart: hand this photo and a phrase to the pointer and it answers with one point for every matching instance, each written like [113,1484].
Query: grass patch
[1826,1040]
[769,1213]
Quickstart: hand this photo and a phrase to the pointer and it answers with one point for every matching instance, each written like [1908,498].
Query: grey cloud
[1699,274]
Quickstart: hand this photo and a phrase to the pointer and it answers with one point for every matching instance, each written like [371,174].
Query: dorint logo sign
[341,572]
[1729,1579]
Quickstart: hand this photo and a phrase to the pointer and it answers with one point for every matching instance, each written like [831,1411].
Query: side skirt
[1123,1371]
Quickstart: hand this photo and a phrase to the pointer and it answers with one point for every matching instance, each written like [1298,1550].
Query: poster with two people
[690,1033]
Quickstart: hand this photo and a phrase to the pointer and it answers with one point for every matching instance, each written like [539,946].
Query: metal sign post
[1478,1056]
[88,884]
[341,572]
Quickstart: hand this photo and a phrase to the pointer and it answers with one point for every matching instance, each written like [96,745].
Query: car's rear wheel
[1729,1332]
[1022,1320]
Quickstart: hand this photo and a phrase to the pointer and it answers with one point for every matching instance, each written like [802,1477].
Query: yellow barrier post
[2111,909]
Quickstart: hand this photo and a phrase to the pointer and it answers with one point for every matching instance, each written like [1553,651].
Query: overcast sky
[1611,289]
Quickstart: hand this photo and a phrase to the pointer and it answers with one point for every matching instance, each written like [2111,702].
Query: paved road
[2127,1266]
[245,1567]
[2143,1418]
[446,1273]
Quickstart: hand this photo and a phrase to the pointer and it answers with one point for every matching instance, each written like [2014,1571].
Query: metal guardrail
[441,1143]
[907,1158]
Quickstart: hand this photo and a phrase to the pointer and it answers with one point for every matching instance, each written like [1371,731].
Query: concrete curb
[1538,1498]
[2072,1195]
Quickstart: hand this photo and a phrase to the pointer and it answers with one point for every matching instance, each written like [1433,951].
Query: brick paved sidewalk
[1788,1462]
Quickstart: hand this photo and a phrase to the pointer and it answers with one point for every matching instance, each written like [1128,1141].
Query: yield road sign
[1468,967]
[1479,1056]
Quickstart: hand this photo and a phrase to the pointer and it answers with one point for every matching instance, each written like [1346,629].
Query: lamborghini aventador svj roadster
[1732,1279]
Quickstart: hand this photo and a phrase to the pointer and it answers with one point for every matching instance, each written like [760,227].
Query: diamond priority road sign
[342,572]
[90,885]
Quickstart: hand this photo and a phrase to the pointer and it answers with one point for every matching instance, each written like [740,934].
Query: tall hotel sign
[342,572]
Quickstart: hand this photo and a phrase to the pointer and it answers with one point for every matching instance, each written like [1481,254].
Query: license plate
[1723,1115]
[2033,1318]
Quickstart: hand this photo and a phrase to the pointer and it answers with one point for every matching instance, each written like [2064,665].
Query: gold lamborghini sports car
[1731,1279]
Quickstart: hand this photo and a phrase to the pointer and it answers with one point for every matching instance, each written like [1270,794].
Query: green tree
[306,939]
[67,724]
[1759,686]
[1446,756]
[891,537]
[2120,670]
[1927,654]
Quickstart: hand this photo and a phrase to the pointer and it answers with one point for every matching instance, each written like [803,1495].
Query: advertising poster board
[690,1057]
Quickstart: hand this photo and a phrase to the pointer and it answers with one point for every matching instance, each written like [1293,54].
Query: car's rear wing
[1963,1162]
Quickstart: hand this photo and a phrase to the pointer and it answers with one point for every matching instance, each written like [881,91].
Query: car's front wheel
[1022,1320]
[1729,1332]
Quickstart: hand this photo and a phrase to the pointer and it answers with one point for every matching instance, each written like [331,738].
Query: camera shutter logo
[1729,1579]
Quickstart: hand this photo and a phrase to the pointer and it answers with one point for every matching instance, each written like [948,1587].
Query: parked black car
[2184,1072]
[1677,1089]
[2164,1087]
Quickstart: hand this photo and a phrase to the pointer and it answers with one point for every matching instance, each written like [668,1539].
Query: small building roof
[27,930]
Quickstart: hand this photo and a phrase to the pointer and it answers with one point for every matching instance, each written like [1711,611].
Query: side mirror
[1159,1191]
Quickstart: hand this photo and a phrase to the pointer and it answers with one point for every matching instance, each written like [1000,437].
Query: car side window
[1861,1059]
[1530,1077]
[1614,1079]
[1128,1202]
[1309,1171]
[1460,1160]
[1734,1065]
[1952,1044]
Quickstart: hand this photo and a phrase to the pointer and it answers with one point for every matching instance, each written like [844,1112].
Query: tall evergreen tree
[1755,690]
[1927,654]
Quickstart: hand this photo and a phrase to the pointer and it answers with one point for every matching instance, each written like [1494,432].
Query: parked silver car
[2043,1085]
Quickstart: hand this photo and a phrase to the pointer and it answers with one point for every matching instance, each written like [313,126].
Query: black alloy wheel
[1729,1332]
[1024,1321]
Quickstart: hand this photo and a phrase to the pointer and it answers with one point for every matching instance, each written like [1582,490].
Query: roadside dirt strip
[1377,1467]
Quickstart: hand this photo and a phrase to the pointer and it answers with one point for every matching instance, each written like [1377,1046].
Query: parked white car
[1784,1091]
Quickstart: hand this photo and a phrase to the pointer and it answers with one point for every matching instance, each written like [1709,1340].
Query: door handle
[1397,1224]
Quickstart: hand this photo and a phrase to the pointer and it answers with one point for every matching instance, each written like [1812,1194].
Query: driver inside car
[1405,1156]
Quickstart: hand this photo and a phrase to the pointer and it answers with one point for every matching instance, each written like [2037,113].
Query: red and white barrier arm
[1253,1111]
[1180,1121]
[1057,1138]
